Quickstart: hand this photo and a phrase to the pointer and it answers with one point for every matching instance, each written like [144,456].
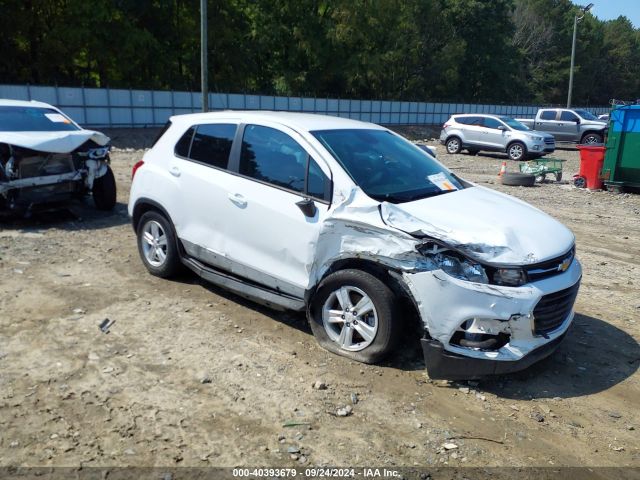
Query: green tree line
[456,50]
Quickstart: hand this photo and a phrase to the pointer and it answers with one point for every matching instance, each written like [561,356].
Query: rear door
[269,237]
[200,165]
[547,122]
[472,129]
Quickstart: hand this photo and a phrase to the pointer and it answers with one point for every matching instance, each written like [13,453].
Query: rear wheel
[104,191]
[454,145]
[157,245]
[540,178]
[353,314]
[558,176]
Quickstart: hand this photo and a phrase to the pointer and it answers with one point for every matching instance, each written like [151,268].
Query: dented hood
[487,225]
[53,142]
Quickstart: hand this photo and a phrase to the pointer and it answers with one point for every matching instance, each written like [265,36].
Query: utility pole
[204,73]
[576,19]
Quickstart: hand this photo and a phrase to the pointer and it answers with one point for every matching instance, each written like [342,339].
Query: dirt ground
[189,375]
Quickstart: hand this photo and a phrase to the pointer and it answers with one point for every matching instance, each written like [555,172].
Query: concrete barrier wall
[117,108]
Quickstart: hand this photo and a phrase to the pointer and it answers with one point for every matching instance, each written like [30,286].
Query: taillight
[446,125]
[136,167]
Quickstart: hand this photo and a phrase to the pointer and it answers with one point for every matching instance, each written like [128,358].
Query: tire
[517,151]
[157,245]
[540,178]
[580,182]
[518,179]
[338,293]
[591,138]
[558,176]
[104,191]
[454,145]
[473,153]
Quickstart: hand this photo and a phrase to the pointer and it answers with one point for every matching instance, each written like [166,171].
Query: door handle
[238,200]
[175,171]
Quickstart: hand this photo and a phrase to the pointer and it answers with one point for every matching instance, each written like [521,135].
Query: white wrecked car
[347,220]
[46,158]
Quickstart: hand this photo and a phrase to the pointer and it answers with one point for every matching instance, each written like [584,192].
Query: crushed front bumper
[448,306]
[442,364]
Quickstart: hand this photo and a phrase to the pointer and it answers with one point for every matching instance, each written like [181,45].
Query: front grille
[549,268]
[550,141]
[553,309]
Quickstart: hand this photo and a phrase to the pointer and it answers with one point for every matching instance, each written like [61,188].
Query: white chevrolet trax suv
[347,220]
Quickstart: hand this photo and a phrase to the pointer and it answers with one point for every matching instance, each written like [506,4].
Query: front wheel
[104,191]
[517,151]
[591,138]
[353,314]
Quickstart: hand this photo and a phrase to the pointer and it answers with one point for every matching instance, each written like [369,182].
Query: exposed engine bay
[30,177]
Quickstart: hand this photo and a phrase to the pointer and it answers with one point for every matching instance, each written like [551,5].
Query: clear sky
[610,9]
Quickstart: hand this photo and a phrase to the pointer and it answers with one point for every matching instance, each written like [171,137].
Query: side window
[184,144]
[212,144]
[318,185]
[274,157]
[548,115]
[568,116]
[492,123]
[475,121]
[462,120]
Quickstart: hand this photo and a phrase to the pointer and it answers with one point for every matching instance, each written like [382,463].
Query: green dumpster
[622,160]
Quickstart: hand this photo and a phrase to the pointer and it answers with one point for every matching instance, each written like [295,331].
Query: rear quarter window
[207,143]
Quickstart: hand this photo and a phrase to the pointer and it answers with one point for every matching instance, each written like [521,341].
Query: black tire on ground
[518,179]
[104,191]
[591,138]
[580,182]
[453,145]
[385,305]
[558,176]
[473,152]
[517,151]
[171,264]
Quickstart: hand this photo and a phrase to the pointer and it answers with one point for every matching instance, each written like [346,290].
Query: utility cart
[540,167]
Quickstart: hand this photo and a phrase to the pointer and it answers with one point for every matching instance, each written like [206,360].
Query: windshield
[516,125]
[586,115]
[387,167]
[33,119]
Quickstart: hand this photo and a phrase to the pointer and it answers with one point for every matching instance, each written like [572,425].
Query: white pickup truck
[567,125]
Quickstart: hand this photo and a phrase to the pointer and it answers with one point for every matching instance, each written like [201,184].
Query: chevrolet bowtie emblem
[564,265]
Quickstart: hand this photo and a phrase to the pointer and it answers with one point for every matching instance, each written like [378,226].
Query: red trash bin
[591,161]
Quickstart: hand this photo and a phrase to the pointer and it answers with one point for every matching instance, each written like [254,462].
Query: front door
[271,237]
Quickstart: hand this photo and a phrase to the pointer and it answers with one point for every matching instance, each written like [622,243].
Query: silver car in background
[481,132]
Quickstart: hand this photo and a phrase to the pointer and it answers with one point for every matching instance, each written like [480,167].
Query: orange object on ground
[591,161]
[503,169]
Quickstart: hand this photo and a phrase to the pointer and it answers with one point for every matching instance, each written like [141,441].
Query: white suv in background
[480,132]
[348,221]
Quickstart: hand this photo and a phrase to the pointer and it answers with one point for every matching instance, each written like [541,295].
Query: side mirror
[503,128]
[577,120]
[308,207]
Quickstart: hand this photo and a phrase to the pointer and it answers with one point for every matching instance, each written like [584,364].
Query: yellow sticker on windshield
[441,181]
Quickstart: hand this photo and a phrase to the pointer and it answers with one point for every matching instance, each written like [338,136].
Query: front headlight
[537,139]
[510,277]
[461,268]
